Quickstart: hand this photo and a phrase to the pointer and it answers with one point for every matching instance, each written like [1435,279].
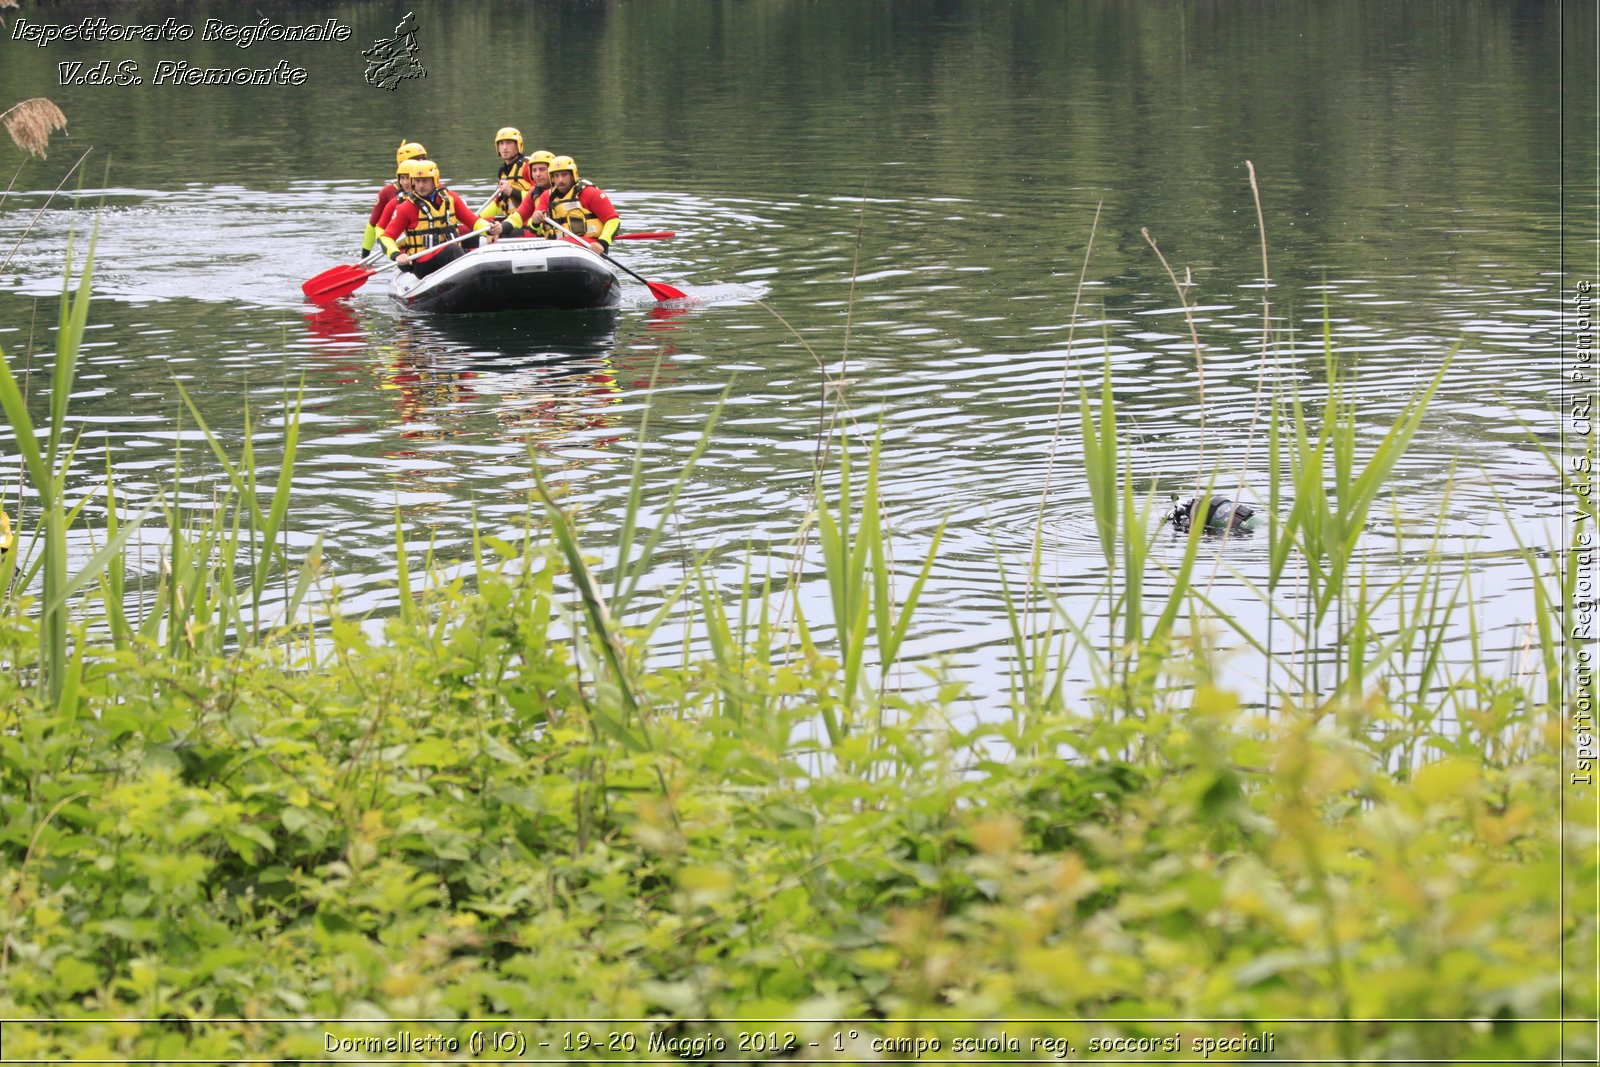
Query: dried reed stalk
[31,123]
[1199,352]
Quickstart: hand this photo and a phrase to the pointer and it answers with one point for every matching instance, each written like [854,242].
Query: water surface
[910,186]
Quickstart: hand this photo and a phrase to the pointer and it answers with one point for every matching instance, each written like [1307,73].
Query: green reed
[512,802]
[47,471]
[195,605]
[220,554]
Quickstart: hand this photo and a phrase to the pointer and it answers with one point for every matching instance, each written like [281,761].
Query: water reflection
[335,326]
[543,377]
[515,379]
[538,377]
[554,335]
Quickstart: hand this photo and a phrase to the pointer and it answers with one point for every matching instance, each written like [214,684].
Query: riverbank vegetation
[223,800]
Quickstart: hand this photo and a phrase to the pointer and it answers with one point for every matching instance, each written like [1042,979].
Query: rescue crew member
[513,179]
[405,172]
[429,216]
[408,150]
[577,205]
[539,173]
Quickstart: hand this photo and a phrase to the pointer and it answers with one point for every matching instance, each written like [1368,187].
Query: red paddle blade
[659,290]
[647,235]
[662,291]
[335,283]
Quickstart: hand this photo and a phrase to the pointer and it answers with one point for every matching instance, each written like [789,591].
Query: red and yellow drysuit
[525,211]
[388,215]
[520,175]
[380,211]
[420,222]
[584,210]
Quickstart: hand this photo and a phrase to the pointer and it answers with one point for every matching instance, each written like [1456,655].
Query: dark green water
[920,177]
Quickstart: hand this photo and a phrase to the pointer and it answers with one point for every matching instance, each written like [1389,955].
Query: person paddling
[405,172]
[429,216]
[577,205]
[539,174]
[407,151]
[513,180]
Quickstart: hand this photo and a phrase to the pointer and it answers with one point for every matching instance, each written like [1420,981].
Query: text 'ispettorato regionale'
[100,30]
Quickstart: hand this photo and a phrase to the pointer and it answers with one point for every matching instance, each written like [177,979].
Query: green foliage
[495,803]
[434,825]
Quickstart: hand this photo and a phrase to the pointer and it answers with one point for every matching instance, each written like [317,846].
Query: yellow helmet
[565,163]
[6,536]
[408,150]
[508,133]
[425,168]
[541,156]
[408,169]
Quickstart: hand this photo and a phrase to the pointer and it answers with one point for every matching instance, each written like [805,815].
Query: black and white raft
[513,275]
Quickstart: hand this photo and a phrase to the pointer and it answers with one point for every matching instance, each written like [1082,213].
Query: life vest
[515,172]
[574,216]
[530,203]
[436,223]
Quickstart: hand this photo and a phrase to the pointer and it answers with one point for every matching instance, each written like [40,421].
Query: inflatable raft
[514,275]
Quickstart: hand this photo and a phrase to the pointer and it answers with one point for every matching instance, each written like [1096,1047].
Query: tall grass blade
[630,513]
[22,426]
[402,563]
[1181,580]
[98,565]
[279,510]
[603,630]
[1100,463]
[241,485]
[310,567]
[902,624]
[641,565]
[74,320]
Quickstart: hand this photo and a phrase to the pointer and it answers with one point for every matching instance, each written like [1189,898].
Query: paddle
[334,277]
[659,290]
[335,274]
[647,235]
[335,283]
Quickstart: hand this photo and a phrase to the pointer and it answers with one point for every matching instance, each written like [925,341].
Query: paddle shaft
[648,235]
[340,282]
[372,257]
[659,290]
[636,276]
[378,252]
[426,252]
